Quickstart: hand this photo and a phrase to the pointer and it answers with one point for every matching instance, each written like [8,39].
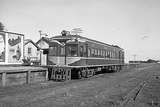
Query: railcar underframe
[63,73]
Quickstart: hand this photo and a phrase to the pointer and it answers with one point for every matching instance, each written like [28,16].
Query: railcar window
[84,51]
[119,55]
[107,54]
[98,52]
[62,51]
[53,51]
[69,51]
[81,51]
[89,52]
[114,54]
[110,54]
[92,52]
[72,51]
[95,52]
[103,53]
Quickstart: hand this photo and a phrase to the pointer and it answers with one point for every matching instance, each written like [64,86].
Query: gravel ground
[130,87]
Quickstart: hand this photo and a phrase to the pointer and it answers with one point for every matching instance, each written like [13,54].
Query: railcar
[83,56]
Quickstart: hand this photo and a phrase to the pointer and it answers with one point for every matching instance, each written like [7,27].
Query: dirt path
[104,90]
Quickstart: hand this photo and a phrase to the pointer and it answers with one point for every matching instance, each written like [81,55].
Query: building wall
[34,55]
[43,45]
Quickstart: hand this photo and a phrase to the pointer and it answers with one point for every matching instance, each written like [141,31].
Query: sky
[131,24]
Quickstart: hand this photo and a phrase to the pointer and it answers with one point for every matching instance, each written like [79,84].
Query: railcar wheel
[87,73]
[118,68]
[91,72]
[79,74]
[84,73]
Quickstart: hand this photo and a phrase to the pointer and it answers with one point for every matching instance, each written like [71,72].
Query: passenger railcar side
[76,52]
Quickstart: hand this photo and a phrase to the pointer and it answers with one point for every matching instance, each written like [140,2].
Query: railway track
[149,86]
[131,96]
[105,90]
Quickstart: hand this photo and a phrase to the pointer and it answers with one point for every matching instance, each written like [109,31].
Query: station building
[31,51]
[43,44]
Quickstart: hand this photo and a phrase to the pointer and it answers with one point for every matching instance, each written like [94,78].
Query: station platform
[18,74]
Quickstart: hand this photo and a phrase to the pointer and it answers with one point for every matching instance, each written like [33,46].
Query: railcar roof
[78,36]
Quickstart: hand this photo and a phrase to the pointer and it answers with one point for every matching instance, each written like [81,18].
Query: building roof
[26,41]
[49,41]
[11,33]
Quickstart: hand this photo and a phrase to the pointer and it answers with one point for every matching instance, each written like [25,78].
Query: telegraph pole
[136,66]
[134,57]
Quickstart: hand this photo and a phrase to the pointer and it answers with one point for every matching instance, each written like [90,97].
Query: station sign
[11,48]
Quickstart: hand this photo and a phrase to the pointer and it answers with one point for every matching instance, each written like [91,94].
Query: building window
[29,50]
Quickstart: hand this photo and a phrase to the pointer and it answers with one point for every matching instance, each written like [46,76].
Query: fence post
[46,77]
[28,75]
[4,78]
